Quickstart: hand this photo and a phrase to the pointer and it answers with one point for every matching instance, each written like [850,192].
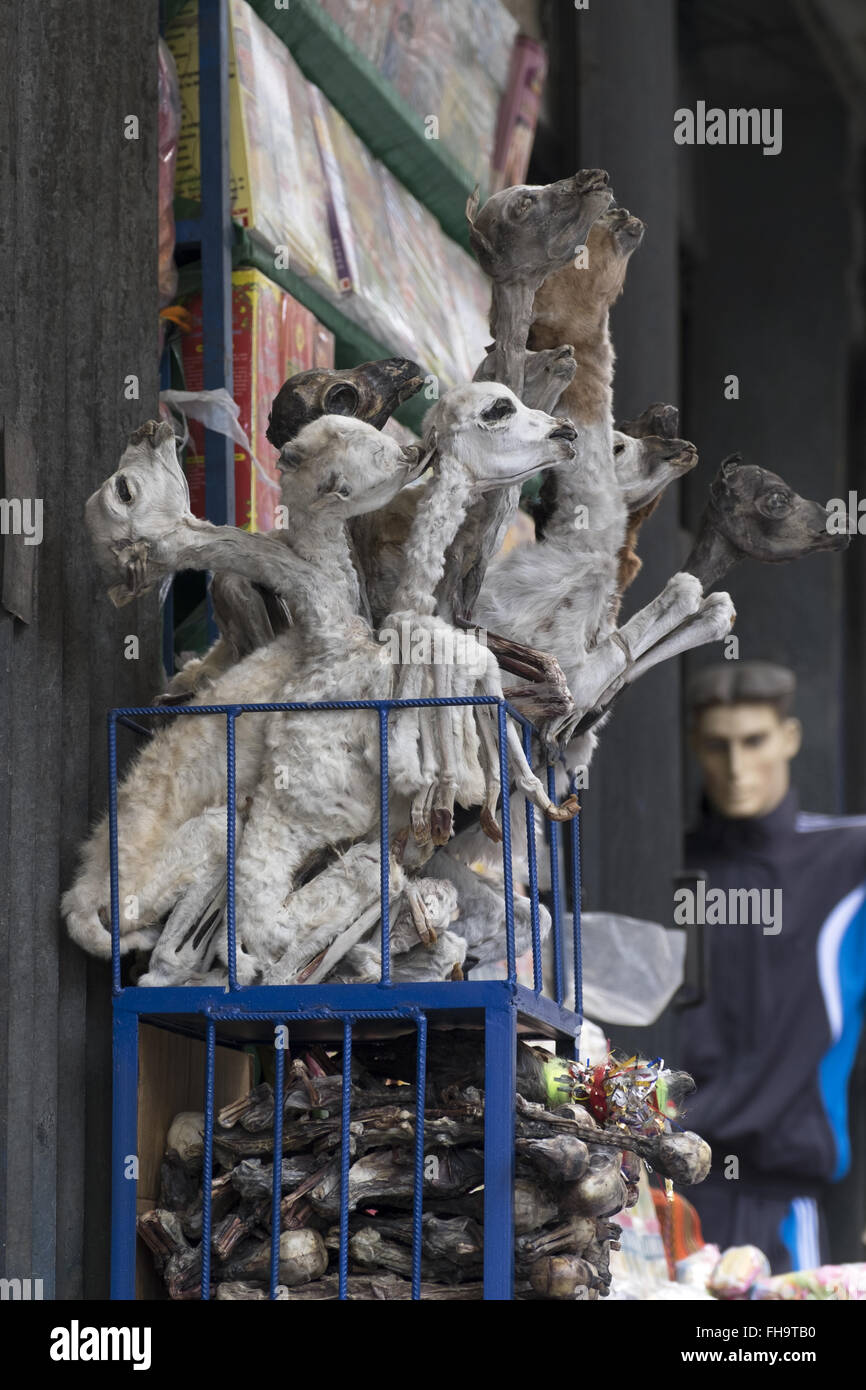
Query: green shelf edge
[388,126]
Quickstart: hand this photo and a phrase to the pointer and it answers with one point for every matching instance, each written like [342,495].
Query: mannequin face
[745,751]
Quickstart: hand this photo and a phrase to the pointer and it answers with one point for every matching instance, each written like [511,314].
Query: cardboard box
[171,1074]
[273,338]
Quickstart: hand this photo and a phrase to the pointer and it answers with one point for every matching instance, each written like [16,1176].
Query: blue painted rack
[341,1012]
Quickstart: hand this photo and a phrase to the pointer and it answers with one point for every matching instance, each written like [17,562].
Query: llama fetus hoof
[304,974]
[421,815]
[490,826]
[721,612]
[441,822]
[567,811]
[133,559]
[398,845]
[421,918]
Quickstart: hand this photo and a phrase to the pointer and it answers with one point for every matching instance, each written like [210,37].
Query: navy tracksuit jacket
[772,1046]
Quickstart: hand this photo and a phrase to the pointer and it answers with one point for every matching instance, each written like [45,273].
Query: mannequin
[772,1044]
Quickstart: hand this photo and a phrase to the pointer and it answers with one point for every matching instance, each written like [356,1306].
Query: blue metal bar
[187,231]
[384,849]
[280,1031]
[112,852]
[507,871]
[537,974]
[574,830]
[500,1082]
[418,1184]
[335,1003]
[136,728]
[231,941]
[345,1158]
[309,706]
[207,1160]
[216,247]
[556,902]
[124,1151]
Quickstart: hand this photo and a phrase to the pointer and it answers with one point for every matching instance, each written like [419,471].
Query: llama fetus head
[647,455]
[755,513]
[576,297]
[143,497]
[545,375]
[526,232]
[370,392]
[497,441]
[343,467]
[522,235]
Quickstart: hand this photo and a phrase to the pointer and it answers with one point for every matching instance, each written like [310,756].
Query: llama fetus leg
[197,848]
[404,766]
[422,805]
[489,750]
[607,666]
[529,785]
[188,943]
[442,817]
[327,909]
[712,622]
[422,919]
[196,855]
[331,957]
[490,684]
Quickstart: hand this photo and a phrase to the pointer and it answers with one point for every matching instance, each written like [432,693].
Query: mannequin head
[744,736]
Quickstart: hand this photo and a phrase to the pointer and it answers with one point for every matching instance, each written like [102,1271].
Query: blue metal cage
[340,1012]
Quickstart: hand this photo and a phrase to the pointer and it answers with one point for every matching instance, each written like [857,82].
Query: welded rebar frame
[501,1004]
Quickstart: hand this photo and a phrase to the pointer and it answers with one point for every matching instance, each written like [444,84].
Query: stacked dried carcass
[576,1165]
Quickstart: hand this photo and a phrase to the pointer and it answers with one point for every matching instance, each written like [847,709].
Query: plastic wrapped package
[366,250]
[277,184]
[279,187]
[467,122]
[695,1269]
[483,36]
[418,54]
[424,281]
[488,29]
[450,60]
[828,1282]
[365,22]
[470,292]
[738,1269]
[639,1266]
[169,132]
[518,114]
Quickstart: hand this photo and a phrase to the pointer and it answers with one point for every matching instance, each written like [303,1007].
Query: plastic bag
[219,412]
[631,968]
